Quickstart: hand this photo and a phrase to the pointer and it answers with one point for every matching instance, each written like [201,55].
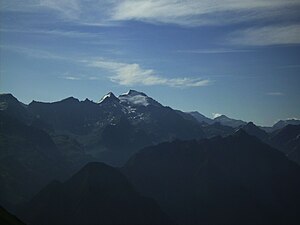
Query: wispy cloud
[76,77]
[213,51]
[36,53]
[268,35]
[133,74]
[70,78]
[63,33]
[180,12]
[275,93]
[122,73]
[295,66]
[204,12]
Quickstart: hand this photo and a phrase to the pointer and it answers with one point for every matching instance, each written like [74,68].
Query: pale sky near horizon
[232,57]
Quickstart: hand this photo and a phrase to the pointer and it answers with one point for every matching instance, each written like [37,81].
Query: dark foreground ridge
[97,194]
[232,180]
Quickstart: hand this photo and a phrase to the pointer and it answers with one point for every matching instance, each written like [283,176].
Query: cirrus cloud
[133,74]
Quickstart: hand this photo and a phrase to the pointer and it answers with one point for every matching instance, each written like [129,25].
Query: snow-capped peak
[132,93]
[109,95]
[133,97]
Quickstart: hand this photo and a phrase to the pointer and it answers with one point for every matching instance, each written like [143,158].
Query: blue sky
[238,58]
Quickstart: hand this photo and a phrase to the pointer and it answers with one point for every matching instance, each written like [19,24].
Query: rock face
[97,194]
[232,180]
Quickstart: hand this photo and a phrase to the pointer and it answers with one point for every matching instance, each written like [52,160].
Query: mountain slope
[252,129]
[8,219]
[226,121]
[11,106]
[97,194]
[201,118]
[232,180]
[287,140]
[28,160]
[282,123]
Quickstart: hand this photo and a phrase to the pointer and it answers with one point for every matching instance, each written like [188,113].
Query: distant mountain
[186,116]
[282,123]
[97,194]
[226,121]
[201,118]
[7,218]
[232,180]
[29,159]
[134,99]
[217,129]
[252,129]
[67,115]
[43,141]
[287,140]
[116,127]
[11,106]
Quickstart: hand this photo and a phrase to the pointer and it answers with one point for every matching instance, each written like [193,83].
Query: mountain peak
[133,93]
[108,97]
[250,124]
[94,166]
[133,97]
[200,118]
[70,99]
[282,123]
[8,97]
[224,120]
[222,117]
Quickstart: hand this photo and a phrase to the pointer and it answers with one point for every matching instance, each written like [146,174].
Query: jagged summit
[282,123]
[7,96]
[132,93]
[136,98]
[108,97]
[224,120]
[70,99]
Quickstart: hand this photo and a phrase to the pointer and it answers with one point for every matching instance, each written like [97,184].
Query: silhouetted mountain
[254,130]
[217,129]
[201,118]
[8,219]
[287,140]
[67,115]
[123,125]
[28,160]
[232,180]
[226,121]
[282,123]
[186,116]
[11,106]
[97,194]
[109,98]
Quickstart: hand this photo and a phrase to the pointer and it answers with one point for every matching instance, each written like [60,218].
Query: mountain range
[182,167]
